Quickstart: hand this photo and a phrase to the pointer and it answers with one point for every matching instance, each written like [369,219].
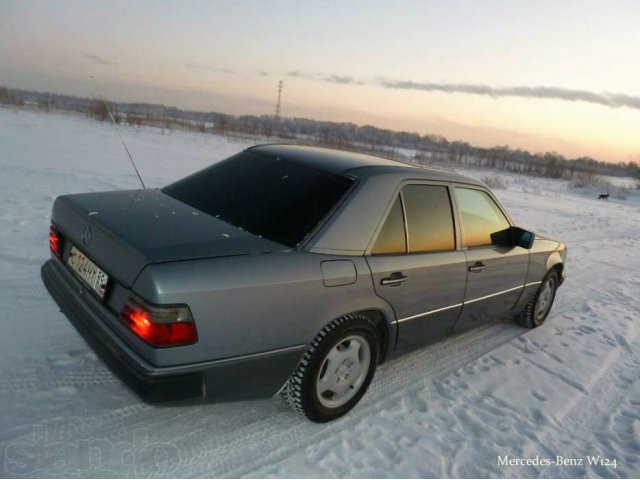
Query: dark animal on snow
[603,196]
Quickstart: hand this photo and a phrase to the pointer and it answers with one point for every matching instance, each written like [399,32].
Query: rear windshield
[273,198]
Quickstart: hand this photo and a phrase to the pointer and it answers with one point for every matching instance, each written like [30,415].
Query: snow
[570,388]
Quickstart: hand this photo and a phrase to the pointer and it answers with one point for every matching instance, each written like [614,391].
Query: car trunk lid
[123,231]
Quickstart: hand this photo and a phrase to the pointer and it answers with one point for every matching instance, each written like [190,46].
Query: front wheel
[537,310]
[335,371]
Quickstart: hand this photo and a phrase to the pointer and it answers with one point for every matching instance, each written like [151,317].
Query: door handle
[394,279]
[477,267]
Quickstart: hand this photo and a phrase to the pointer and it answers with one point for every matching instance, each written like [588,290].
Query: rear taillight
[55,241]
[160,326]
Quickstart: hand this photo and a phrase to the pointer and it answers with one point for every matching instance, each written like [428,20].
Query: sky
[540,75]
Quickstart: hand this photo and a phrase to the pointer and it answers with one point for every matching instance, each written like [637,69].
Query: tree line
[425,149]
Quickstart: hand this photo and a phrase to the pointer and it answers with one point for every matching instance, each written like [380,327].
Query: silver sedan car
[290,269]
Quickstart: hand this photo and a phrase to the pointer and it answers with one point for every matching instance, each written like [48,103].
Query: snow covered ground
[570,388]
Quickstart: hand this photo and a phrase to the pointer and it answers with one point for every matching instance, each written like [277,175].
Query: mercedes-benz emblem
[86,235]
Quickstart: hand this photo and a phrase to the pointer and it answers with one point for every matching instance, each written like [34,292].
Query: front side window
[429,218]
[480,216]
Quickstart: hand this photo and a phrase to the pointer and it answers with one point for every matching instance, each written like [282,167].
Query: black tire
[301,392]
[531,316]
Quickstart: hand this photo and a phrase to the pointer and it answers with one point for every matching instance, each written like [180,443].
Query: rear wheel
[335,371]
[537,310]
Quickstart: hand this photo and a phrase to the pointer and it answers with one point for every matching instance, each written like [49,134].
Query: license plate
[88,271]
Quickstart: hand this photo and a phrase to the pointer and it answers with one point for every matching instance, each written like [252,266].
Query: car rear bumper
[250,376]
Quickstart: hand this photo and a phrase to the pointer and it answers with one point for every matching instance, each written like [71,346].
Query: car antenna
[113,120]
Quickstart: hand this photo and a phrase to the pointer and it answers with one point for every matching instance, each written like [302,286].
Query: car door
[417,266]
[496,273]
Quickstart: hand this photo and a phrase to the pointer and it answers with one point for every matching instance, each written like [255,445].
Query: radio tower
[279,96]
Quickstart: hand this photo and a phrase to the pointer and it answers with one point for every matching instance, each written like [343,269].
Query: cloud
[96,59]
[201,66]
[612,100]
[342,79]
[331,78]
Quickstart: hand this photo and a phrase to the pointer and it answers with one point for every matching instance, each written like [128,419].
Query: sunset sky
[541,75]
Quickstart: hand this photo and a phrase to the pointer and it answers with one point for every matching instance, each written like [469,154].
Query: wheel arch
[385,331]
[555,262]
[381,317]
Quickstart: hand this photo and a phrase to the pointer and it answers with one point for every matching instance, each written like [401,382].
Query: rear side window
[429,218]
[391,238]
[480,216]
[429,222]
[273,198]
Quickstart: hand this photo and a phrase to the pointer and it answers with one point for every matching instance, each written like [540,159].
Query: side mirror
[513,237]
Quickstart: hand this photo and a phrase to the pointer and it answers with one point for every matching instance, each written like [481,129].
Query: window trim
[404,218]
[457,237]
[459,212]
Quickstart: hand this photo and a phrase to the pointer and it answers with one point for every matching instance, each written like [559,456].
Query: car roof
[355,164]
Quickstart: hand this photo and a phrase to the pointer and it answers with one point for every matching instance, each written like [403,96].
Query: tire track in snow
[238,431]
[17,260]
[388,387]
[79,378]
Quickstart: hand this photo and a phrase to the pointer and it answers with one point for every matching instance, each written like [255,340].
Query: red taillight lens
[160,326]
[55,241]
